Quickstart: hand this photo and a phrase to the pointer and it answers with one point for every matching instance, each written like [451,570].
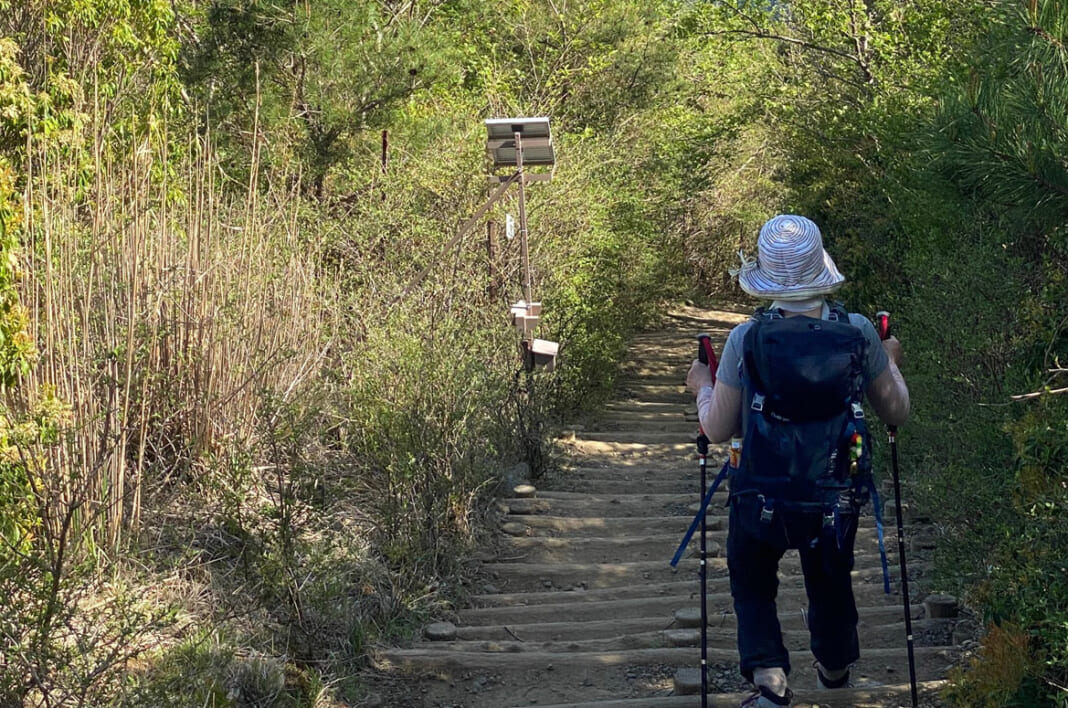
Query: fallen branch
[1036,394]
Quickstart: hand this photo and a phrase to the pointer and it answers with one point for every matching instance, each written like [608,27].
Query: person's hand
[893,350]
[699,375]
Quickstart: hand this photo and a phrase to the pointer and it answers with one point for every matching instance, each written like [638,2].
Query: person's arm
[888,393]
[718,409]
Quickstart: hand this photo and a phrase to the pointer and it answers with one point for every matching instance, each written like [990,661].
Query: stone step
[634,505]
[622,514]
[682,464]
[620,506]
[669,528]
[631,452]
[609,495]
[540,549]
[674,345]
[679,424]
[609,475]
[587,504]
[657,393]
[632,406]
[671,415]
[593,575]
[674,376]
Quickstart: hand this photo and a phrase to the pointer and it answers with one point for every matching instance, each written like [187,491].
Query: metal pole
[491,257]
[702,452]
[706,356]
[522,216]
[892,431]
[882,322]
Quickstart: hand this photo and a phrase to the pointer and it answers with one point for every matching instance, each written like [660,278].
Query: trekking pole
[706,356]
[883,325]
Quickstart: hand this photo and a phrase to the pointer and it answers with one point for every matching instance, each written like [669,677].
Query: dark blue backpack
[805,441]
[806,449]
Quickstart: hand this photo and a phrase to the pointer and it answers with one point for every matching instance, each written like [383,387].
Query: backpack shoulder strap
[838,312]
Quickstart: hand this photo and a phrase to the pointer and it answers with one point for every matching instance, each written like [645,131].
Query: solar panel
[527,127]
[534,133]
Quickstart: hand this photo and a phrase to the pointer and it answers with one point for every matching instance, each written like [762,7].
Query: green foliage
[1005,116]
[1000,130]
[1000,668]
[16,105]
[119,53]
[424,416]
[607,261]
[68,628]
[16,346]
[926,138]
[313,76]
[194,671]
[206,669]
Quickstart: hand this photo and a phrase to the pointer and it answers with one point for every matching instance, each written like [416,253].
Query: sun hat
[790,264]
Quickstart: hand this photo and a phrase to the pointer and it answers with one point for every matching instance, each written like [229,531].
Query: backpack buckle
[829,519]
[758,402]
[858,411]
[767,511]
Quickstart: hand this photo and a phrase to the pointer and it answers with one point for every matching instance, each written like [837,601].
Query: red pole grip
[706,355]
[882,324]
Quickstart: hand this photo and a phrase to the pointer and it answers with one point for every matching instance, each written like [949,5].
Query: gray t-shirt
[875,361]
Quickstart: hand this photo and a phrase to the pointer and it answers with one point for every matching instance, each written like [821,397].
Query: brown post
[385,150]
[385,158]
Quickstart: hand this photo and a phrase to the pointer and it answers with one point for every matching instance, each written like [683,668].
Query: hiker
[796,274]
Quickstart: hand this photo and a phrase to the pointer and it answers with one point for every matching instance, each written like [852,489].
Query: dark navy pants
[753,553]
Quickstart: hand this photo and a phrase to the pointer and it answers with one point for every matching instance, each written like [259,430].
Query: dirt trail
[580,606]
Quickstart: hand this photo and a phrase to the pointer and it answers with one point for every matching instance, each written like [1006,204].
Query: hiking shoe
[764,697]
[824,682]
[845,681]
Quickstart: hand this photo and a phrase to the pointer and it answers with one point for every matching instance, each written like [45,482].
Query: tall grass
[163,306]
[255,429]
[168,311]
[277,417]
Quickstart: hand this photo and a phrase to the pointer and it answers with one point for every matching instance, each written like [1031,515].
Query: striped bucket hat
[791,263]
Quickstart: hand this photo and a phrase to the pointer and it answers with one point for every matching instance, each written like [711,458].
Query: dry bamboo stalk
[126,276]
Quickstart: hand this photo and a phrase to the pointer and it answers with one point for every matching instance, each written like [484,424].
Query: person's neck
[812,307]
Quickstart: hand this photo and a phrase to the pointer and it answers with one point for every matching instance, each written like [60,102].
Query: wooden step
[898,694]
[885,608]
[884,665]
